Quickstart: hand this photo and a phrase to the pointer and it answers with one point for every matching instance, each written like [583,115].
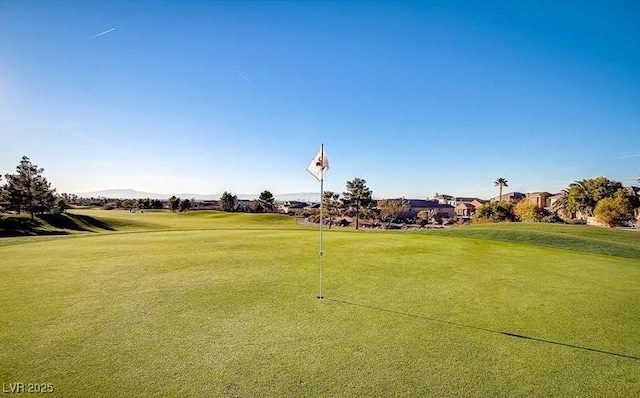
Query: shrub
[614,211]
[495,212]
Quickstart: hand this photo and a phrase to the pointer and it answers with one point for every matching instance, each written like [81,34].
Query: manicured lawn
[211,304]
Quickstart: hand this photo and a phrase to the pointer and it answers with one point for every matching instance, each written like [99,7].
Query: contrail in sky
[242,76]
[103,33]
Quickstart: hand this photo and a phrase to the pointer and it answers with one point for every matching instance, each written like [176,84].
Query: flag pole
[320,296]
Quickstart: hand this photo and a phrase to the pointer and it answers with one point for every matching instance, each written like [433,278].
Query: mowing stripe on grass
[519,336]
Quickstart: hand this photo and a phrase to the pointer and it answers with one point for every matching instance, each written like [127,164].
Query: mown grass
[615,242]
[224,305]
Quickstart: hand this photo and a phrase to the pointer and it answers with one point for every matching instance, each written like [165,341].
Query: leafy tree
[390,209]
[228,202]
[62,205]
[156,204]
[3,194]
[174,203]
[584,195]
[425,215]
[266,200]
[501,182]
[495,212]
[144,203]
[357,196]
[128,204]
[29,190]
[614,211]
[255,206]
[185,205]
[527,211]
[331,205]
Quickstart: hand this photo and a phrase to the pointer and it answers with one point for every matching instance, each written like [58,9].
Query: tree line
[608,201]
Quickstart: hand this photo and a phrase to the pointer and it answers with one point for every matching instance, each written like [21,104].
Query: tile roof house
[513,197]
[540,199]
[290,206]
[465,210]
[455,200]
[477,202]
[418,205]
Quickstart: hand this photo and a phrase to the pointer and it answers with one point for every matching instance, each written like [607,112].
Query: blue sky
[414,97]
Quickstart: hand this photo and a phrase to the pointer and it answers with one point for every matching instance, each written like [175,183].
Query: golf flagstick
[318,166]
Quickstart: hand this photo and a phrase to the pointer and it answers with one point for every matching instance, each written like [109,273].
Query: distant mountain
[133,194]
[122,194]
[300,196]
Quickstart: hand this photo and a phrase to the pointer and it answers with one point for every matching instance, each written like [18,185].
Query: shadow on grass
[50,224]
[20,226]
[509,334]
[93,222]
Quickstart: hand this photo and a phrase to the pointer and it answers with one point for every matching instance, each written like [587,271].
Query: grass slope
[210,304]
[623,243]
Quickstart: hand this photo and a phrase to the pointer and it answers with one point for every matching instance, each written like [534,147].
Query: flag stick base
[319,297]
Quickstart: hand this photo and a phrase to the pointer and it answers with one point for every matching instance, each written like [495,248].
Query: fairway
[214,304]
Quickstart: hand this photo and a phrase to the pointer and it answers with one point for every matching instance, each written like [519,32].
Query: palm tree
[561,205]
[501,182]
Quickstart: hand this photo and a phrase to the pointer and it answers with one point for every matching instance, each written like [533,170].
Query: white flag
[319,165]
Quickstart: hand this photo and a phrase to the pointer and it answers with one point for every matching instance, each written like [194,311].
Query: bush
[614,211]
[495,212]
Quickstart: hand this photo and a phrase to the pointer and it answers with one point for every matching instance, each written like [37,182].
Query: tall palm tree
[501,182]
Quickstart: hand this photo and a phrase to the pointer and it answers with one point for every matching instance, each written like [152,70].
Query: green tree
[584,195]
[29,190]
[156,204]
[3,195]
[357,196]
[527,211]
[128,204]
[390,209]
[228,202]
[255,206]
[266,200]
[561,205]
[495,212]
[501,182]
[62,205]
[174,203]
[614,211]
[185,205]
[331,205]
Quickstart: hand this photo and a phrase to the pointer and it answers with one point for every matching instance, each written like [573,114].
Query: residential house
[513,197]
[243,204]
[207,204]
[291,206]
[436,208]
[456,200]
[477,202]
[540,199]
[465,210]
[444,199]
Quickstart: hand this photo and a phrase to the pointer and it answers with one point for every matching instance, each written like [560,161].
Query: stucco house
[477,202]
[437,209]
[540,199]
[513,197]
[456,200]
[465,210]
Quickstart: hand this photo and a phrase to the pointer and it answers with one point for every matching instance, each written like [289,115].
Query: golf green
[213,304]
